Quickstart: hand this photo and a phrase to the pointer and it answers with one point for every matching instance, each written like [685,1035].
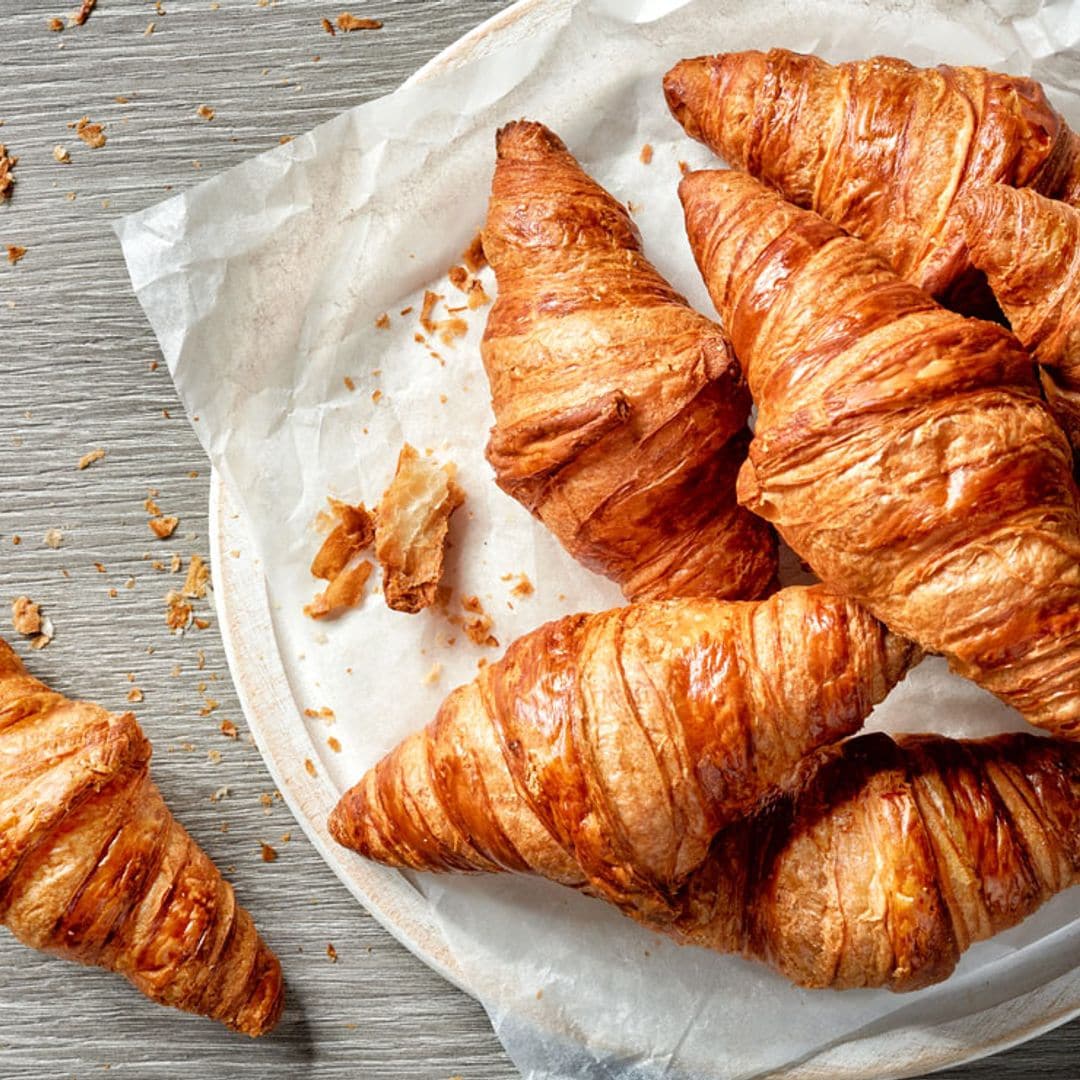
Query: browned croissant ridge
[620,411]
[880,147]
[606,751]
[1029,248]
[902,450]
[94,868]
[888,859]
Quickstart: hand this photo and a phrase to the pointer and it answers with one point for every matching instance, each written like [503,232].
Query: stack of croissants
[692,757]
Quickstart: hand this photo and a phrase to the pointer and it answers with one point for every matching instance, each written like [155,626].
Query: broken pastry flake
[345,591]
[7,180]
[412,524]
[27,619]
[347,23]
[338,560]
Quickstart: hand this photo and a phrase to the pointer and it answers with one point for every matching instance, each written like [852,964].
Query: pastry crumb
[349,384]
[177,612]
[646,154]
[7,165]
[331,952]
[88,459]
[26,616]
[268,853]
[433,675]
[383,321]
[53,538]
[91,134]
[15,252]
[346,23]
[229,729]
[198,576]
[56,25]
[135,694]
[60,155]
[334,744]
[163,527]
[309,767]
[473,256]
[83,13]
[205,112]
[329,27]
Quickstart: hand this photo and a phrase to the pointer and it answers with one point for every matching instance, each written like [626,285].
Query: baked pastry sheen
[902,450]
[605,751]
[94,868]
[1029,248]
[620,411]
[880,147]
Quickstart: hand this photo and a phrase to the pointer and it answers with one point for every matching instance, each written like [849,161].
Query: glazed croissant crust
[605,751]
[888,859]
[880,147]
[901,450]
[1029,248]
[94,868]
[620,411]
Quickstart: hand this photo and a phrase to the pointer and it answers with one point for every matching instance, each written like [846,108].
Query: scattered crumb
[459,278]
[84,12]
[198,576]
[53,538]
[328,26]
[121,100]
[268,853]
[347,23]
[430,300]
[25,616]
[135,694]
[646,154]
[309,767]
[411,529]
[174,564]
[345,591]
[283,139]
[88,459]
[7,181]
[15,253]
[349,384]
[376,396]
[214,757]
[229,729]
[332,953]
[478,623]
[383,321]
[205,112]
[473,256]
[406,310]
[178,613]
[337,559]
[200,659]
[220,794]
[684,168]
[149,29]
[56,25]
[163,527]
[100,568]
[91,134]
[433,675]
[60,155]
[333,744]
[211,706]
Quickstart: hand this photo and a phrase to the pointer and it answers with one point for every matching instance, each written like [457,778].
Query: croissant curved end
[526,140]
[687,81]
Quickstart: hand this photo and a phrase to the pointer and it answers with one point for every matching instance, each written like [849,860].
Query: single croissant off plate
[880,147]
[94,868]
[902,450]
[606,751]
[1029,248]
[620,412]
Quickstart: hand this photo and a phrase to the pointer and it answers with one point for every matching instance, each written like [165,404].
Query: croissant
[1029,248]
[606,751]
[888,859]
[94,868]
[902,450]
[880,147]
[620,412]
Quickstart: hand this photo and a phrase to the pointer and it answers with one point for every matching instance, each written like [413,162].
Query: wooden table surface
[77,372]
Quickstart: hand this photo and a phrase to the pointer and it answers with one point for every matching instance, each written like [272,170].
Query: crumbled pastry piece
[198,576]
[451,329]
[163,527]
[473,256]
[309,768]
[477,297]
[478,622]
[83,13]
[328,26]
[88,459]
[347,23]
[433,675]
[524,587]
[383,322]
[345,591]
[14,253]
[135,694]
[61,155]
[26,616]
[53,538]
[331,952]
[338,560]
[268,853]
[56,25]
[91,134]
[205,112]
[646,154]
[412,524]
[7,180]
[426,309]
[334,744]
[178,612]
[229,730]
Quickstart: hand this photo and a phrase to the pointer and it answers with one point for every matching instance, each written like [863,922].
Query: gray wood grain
[75,356]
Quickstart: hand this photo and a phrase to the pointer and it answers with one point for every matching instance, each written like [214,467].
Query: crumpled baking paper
[263,286]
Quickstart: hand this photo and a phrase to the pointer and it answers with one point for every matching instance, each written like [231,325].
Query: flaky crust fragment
[605,751]
[880,147]
[902,450]
[411,528]
[887,860]
[620,412]
[1029,248]
[94,868]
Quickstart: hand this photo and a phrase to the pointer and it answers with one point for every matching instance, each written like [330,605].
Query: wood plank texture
[75,374]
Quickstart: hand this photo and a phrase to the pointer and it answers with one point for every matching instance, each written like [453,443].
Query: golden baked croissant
[94,868]
[902,450]
[888,859]
[880,147]
[605,751]
[1029,248]
[620,412]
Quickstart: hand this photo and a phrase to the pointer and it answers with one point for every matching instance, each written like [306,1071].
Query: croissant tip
[264,1007]
[526,138]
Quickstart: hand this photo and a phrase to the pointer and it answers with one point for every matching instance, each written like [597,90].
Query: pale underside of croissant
[620,412]
[880,147]
[1029,248]
[902,450]
[606,751]
[94,868]
[889,859]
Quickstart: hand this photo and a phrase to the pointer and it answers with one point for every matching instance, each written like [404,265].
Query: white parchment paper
[263,286]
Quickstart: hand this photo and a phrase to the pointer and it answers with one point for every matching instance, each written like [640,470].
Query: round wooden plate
[273,716]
